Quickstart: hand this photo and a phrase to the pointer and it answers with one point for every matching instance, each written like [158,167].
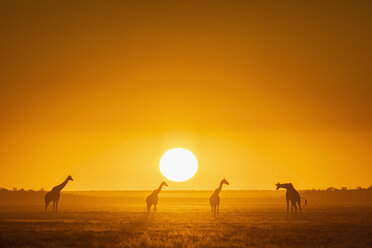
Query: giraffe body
[153,198]
[54,195]
[214,200]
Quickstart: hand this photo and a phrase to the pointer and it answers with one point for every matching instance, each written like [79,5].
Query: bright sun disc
[178,164]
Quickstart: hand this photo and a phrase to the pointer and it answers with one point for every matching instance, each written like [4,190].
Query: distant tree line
[21,190]
[345,188]
[328,189]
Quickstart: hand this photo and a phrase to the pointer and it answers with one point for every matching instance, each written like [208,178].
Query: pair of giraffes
[291,196]
[214,200]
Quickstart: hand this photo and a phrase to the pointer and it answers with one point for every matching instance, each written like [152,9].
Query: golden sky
[259,92]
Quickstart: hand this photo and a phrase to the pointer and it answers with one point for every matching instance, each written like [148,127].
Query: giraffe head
[225,182]
[277,186]
[164,183]
[70,178]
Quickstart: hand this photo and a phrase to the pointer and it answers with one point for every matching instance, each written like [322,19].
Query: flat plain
[177,224]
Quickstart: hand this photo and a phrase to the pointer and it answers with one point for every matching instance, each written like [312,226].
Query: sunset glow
[259,92]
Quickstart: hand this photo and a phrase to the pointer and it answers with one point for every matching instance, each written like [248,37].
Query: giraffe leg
[57,205]
[54,205]
[46,205]
[295,207]
[218,209]
[287,208]
[299,206]
[292,209]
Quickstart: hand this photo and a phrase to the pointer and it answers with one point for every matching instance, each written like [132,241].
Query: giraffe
[214,200]
[293,196]
[54,194]
[153,198]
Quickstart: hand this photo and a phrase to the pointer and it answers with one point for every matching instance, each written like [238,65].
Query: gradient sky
[260,92]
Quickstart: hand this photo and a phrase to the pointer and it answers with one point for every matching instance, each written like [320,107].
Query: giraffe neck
[287,186]
[62,185]
[218,190]
[158,189]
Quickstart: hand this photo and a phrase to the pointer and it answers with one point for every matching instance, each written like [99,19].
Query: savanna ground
[182,225]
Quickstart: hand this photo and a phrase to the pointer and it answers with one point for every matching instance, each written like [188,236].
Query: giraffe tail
[305,202]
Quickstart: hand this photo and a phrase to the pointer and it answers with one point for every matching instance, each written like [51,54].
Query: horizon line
[118,190]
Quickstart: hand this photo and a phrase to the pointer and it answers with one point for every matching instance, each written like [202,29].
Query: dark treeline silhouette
[8,197]
[343,196]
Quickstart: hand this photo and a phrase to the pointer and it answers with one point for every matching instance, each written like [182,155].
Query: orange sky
[259,92]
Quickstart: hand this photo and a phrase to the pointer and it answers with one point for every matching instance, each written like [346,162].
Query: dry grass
[188,228]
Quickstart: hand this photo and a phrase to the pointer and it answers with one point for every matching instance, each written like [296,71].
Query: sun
[178,164]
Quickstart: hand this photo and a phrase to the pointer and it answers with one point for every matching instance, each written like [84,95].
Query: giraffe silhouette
[214,200]
[153,198]
[293,196]
[54,195]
